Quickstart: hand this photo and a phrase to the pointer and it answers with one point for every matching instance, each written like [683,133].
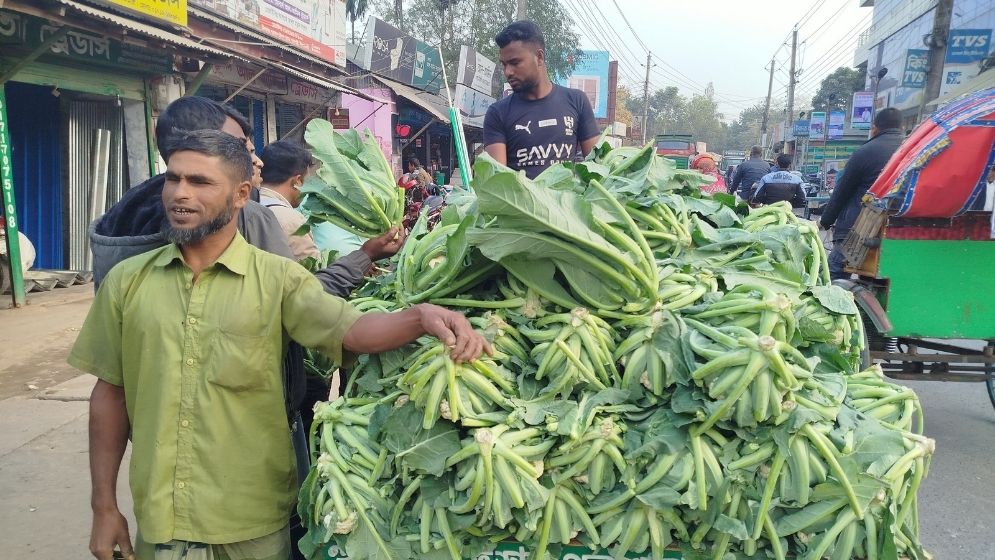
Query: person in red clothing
[707,164]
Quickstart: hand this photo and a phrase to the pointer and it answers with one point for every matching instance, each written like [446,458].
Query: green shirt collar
[235,258]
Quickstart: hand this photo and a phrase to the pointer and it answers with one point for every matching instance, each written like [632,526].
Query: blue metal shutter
[36,146]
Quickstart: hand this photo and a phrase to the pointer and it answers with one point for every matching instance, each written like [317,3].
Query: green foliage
[837,89]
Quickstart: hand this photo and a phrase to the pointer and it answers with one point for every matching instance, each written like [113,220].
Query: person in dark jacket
[780,185]
[749,172]
[861,170]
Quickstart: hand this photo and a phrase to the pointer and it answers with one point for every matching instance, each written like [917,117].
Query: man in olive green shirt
[187,342]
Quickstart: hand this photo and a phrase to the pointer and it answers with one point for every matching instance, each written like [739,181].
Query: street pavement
[45,483]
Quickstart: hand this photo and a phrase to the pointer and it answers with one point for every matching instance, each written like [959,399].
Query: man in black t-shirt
[540,123]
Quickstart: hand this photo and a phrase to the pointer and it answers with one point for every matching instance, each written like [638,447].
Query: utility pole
[937,53]
[646,93]
[791,88]
[770,90]
[523,10]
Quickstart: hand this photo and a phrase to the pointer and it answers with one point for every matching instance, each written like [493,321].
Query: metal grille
[83,119]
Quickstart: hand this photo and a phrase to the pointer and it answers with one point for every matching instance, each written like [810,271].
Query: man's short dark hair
[888,117]
[784,161]
[237,116]
[215,143]
[525,31]
[415,162]
[185,114]
[282,160]
[756,151]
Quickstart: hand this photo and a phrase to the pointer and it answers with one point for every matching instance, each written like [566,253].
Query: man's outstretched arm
[380,332]
[109,427]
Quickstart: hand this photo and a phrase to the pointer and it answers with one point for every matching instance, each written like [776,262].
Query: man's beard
[184,236]
[525,86]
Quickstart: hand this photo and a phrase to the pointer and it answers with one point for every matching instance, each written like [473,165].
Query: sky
[729,43]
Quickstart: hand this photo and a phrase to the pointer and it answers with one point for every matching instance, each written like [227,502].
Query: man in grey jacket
[749,172]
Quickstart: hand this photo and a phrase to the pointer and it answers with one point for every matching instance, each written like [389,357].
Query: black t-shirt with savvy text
[540,132]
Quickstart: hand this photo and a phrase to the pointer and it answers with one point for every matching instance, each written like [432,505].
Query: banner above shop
[863,103]
[169,11]
[396,55]
[475,71]
[916,63]
[317,27]
[800,128]
[237,74]
[590,75]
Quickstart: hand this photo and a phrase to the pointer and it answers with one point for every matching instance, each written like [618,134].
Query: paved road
[957,500]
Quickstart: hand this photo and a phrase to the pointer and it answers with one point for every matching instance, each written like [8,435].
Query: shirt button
[188,285]
[193,320]
[185,423]
[181,485]
[189,361]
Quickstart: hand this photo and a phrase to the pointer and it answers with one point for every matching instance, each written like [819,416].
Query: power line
[629,25]
[810,13]
[596,38]
[831,58]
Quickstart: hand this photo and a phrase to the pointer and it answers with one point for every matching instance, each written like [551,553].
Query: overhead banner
[400,57]
[475,71]
[916,63]
[316,27]
[863,103]
[472,105]
[169,11]
[590,75]
[800,128]
[966,48]
[837,122]
[817,126]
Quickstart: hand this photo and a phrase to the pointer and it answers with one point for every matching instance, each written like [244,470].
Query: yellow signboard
[170,11]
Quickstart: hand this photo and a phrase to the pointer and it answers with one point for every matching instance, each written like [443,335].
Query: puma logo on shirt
[524,127]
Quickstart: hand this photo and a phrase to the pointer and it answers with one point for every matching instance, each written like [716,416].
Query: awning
[429,102]
[982,81]
[143,29]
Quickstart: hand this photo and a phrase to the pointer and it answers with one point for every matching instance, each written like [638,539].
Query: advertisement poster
[966,48]
[427,71]
[863,103]
[475,70]
[472,104]
[590,75]
[831,170]
[317,27]
[400,57]
[169,11]
[837,122]
[817,126]
[801,128]
[916,62]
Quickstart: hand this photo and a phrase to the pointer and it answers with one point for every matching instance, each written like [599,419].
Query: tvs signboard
[316,27]
[916,63]
[590,75]
[966,48]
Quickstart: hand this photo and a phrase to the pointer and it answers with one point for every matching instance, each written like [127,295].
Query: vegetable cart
[924,251]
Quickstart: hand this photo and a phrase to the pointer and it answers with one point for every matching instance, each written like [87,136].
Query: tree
[744,132]
[475,23]
[622,112]
[356,9]
[838,88]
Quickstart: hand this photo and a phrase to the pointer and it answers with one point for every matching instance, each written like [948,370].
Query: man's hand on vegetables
[385,246]
[453,330]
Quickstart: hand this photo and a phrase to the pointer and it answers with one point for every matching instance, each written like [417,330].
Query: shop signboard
[30,32]
[800,128]
[590,75]
[236,74]
[817,126]
[916,63]
[303,92]
[427,71]
[860,115]
[475,70]
[317,27]
[966,48]
[169,11]
[837,121]
[472,104]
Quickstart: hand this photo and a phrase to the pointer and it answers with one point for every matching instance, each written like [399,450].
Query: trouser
[837,261]
[275,546]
